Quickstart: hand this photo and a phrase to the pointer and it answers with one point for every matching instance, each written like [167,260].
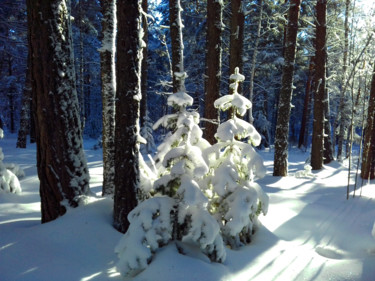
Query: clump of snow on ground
[305,173]
[8,180]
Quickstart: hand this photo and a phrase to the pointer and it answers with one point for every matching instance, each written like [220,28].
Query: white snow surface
[311,232]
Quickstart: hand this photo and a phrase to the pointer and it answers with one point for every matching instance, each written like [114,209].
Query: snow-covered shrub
[306,173]
[150,228]
[8,180]
[235,199]
[178,209]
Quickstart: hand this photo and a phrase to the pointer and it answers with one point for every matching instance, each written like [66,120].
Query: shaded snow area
[311,232]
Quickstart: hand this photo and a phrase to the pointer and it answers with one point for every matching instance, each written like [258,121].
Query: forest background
[266,81]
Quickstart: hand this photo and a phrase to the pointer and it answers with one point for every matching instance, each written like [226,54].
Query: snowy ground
[310,233]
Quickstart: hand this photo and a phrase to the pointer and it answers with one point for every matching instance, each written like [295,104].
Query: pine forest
[163,140]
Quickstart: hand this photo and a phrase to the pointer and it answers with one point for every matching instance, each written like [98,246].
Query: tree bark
[283,115]
[368,154]
[320,84]
[213,66]
[327,141]
[177,45]
[254,60]
[128,96]
[302,141]
[61,162]
[25,110]
[144,64]
[342,119]
[81,83]
[108,78]
[237,21]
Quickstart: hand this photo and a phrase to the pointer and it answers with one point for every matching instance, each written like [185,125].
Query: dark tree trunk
[32,120]
[81,83]
[25,110]
[237,21]
[213,67]
[177,46]
[61,161]
[368,157]
[302,141]
[327,141]
[342,120]
[128,95]
[144,65]
[254,60]
[320,84]
[108,78]
[283,115]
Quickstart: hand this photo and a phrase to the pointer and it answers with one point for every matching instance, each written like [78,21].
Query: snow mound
[9,182]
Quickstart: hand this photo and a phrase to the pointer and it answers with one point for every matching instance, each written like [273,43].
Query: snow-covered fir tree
[204,197]
[177,210]
[235,199]
[8,180]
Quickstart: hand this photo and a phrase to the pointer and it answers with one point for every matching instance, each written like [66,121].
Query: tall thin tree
[144,63]
[283,115]
[108,78]
[342,117]
[320,84]
[368,154]
[213,66]
[254,59]
[25,110]
[237,22]
[61,162]
[177,45]
[128,96]
[302,141]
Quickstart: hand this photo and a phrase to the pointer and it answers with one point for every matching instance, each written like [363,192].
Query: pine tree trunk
[237,21]
[128,96]
[283,115]
[320,84]
[327,141]
[306,104]
[81,94]
[342,119]
[213,66]
[61,161]
[108,78]
[144,65]
[25,110]
[32,121]
[254,60]
[368,157]
[177,44]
